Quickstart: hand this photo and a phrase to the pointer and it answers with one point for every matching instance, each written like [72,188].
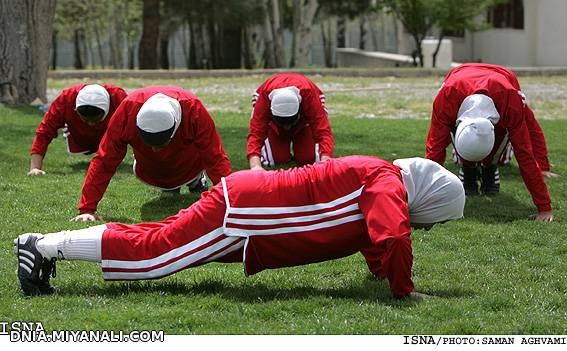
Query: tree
[341,10]
[148,50]
[455,16]
[304,12]
[26,28]
[418,17]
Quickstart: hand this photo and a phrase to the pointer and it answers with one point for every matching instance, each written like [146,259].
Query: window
[507,15]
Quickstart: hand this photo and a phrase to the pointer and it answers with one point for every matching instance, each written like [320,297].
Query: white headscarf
[285,101]
[159,113]
[474,138]
[94,95]
[434,194]
[478,106]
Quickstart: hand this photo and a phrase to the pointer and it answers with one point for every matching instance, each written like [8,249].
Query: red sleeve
[110,153]
[521,142]
[259,121]
[53,120]
[386,213]
[443,118]
[537,138]
[208,141]
[314,111]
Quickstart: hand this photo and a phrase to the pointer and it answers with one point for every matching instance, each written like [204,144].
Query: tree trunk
[297,8]
[434,55]
[148,51]
[185,46]
[99,45]
[308,10]
[26,28]
[277,31]
[164,53]
[78,62]
[193,47]
[54,50]
[363,32]
[269,52]
[341,32]
[115,36]
[327,39]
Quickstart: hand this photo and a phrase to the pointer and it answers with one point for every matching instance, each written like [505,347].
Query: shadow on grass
[165,205]
[502,208]
[369,290]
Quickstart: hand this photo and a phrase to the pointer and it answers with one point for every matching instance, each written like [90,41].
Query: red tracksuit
[278,219]
[195,146]
[517,122]
[81,137]
[312,137]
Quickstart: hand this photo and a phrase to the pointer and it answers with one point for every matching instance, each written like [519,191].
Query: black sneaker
[469,176]
[34,270]
[490,180]
[200,185]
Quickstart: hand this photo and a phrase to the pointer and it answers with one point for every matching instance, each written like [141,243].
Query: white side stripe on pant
[166,256]
[174,266]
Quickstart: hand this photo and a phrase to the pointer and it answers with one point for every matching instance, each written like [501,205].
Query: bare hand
[544,216]
[257,168]
[414,295]
[87,217]
[549,174]
[36,172]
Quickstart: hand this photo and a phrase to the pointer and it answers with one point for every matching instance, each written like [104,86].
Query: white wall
[542,42]
[551,38]
[507,47]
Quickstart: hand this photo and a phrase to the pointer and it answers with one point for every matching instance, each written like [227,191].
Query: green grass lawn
[493,272]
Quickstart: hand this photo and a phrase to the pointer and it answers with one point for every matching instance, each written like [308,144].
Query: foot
[469,176]
[200,185]
[490,180]
[34,270]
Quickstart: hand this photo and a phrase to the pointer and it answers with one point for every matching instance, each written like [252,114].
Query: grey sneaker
[34,270]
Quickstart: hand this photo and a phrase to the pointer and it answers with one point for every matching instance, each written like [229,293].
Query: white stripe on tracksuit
[217,250]
[267,158]
[296,215]
[224,240]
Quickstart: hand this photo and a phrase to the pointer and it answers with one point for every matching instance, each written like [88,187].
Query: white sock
[82,244]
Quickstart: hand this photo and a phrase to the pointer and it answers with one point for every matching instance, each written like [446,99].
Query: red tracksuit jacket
[312,113]
[275,219]
[62,111]
[516,117]
[195,146]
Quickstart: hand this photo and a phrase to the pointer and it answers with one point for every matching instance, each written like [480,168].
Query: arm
[53,120]
[36,165]
[443,117]
[521,142]
[110,153]
[208,141]
[314,111]
[386,213]
[255,163]
[537,138]
[258,132]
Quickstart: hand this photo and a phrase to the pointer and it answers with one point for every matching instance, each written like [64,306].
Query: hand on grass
[543,216]
[36,172]
[414,295]
[87,217]
[548,174]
